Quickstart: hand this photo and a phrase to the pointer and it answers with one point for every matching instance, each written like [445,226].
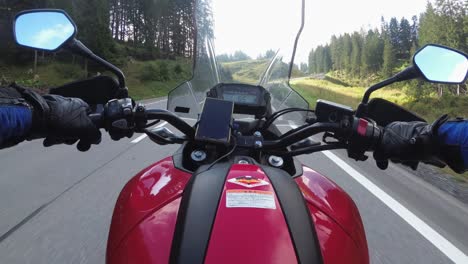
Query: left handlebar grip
[97,116]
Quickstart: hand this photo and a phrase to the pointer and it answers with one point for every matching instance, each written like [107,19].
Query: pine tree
[93,26]
[394,32]
[429,31]
[356,52]
[372,53]
[327,59]
[414,32]
[389,60]
[335,53]
[312,68]
[404,39]
[346,52]
[304,67]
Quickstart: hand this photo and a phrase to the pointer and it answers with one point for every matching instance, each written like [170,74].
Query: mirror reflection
[43,30]
[439,64]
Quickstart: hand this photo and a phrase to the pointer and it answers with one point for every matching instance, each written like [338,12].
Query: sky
[257,25]
[47,30]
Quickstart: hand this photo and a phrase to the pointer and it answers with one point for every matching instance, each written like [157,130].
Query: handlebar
[302,133]
[120,114]
[356,134]
[172,119]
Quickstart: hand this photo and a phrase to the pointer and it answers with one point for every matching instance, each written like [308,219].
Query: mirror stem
[377,86]
[407,74]
[78,47]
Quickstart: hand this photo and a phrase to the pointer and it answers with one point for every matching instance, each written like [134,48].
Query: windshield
[265,57]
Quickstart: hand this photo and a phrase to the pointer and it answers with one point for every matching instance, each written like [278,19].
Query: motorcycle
[234,191]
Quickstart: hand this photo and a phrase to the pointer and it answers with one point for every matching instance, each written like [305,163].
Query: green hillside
[145,79]
[250,71]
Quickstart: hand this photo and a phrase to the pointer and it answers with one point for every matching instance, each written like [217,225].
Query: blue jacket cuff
[15,123]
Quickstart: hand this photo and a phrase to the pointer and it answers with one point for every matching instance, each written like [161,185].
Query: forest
[149,29]
[152,41]
[366,56]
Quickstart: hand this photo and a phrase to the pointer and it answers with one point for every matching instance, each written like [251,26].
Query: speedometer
[244,98]
[248,99]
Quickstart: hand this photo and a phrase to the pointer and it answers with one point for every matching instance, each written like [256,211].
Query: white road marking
[140,138]
[157,102]
[445,246]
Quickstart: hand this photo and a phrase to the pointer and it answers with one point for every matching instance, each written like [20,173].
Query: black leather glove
[68,122]
[409,143]
[59,119]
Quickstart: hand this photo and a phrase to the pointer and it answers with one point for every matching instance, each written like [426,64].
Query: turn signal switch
[118,114]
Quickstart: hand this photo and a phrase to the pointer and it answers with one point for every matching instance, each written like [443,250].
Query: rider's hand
[408,143]
[68,122]
[60,120]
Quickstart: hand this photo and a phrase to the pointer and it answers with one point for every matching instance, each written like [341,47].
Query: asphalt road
[56,203]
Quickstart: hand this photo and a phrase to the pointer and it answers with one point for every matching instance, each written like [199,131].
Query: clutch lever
[97,115]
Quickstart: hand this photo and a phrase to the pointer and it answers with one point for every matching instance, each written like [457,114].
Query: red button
[362,127]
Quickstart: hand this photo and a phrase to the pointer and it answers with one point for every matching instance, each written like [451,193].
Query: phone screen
[215,121]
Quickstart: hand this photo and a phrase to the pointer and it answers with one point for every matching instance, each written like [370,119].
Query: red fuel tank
[250,224]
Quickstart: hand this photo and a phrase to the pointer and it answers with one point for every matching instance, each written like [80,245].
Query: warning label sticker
[250,199]
[248,181]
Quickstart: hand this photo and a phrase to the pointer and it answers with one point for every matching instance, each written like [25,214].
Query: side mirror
[53,29]
[43,29]
[441,64]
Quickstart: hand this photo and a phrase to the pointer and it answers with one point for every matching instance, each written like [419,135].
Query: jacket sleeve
[453,137]
[15,123]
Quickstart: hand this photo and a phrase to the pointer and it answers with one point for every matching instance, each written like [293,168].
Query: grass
[248,71]
[430,107]
[55,73]
[48,75]
[141,88]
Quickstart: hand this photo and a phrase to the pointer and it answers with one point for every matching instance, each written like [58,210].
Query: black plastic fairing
[95,90]
[200,201]
[384,112]
[197,213]
[297,216]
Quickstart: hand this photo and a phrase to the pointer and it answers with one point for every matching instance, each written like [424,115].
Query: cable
[220,158]
[224,156]
[307,150]
[284,110]
[275,116]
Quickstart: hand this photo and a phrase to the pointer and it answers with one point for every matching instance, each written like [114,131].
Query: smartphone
[215,121]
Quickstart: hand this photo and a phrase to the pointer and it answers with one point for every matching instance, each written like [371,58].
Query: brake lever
[308,142]
[156,138]
[327,135]
[163,136]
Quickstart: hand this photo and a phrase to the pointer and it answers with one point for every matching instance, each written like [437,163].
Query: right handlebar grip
[365,136]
